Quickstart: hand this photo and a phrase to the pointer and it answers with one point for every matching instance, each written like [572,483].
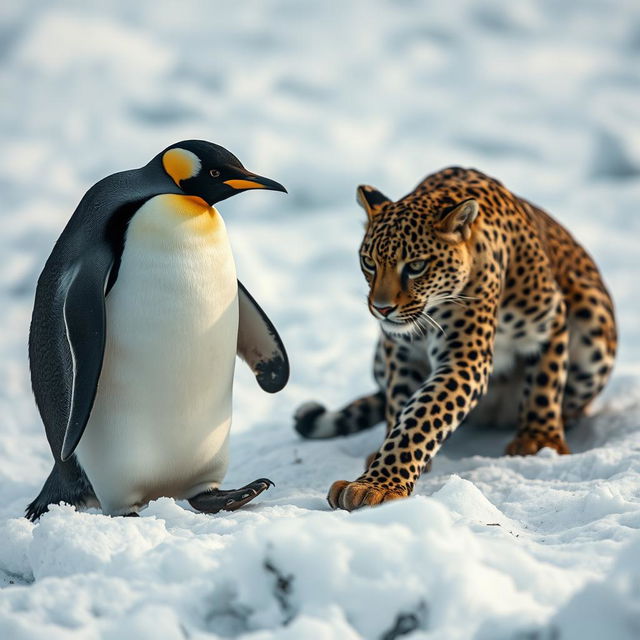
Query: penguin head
[209,171]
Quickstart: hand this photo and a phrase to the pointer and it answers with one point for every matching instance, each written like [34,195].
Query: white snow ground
[322,96]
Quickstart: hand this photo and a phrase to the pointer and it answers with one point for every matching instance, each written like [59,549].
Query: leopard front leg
[540,420]
[401,373]
[432,413]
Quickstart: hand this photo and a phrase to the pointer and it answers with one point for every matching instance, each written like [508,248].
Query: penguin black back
[94,238]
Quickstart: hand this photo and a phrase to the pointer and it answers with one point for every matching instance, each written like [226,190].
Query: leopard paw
[353,495]
[529,443]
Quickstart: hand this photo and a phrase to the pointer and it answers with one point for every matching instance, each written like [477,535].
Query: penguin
[137,321]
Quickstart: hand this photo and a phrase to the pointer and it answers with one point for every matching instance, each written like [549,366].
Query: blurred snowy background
[322,96]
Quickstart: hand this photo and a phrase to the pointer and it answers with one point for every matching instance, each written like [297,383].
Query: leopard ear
[371,200]
[456,224]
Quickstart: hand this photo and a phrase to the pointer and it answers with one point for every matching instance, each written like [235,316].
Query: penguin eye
[214,173]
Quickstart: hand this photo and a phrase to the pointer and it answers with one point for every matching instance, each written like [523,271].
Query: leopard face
[413,258]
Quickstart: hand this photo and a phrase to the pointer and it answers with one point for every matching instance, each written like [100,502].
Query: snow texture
[323,96]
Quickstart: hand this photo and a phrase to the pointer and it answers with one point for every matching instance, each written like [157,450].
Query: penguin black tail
[67,483]
[313,421]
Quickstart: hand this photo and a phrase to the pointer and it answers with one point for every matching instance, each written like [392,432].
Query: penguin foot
[66,483]
[231,499]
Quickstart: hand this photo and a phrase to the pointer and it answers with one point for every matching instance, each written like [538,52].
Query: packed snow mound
[396,566]
[542,97]
[606,608]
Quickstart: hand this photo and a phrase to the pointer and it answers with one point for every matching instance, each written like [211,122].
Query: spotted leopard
[490,312]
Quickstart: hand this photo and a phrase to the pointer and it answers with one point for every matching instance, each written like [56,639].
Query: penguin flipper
[259,344]
[85,323]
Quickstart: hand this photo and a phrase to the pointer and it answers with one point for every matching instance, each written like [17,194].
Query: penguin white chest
[162,413]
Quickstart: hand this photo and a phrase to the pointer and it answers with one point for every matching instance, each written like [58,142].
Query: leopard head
[415,254]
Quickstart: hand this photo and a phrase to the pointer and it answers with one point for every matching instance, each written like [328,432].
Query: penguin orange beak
[252,181]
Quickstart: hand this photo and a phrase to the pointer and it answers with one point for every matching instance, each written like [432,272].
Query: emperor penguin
[137,321]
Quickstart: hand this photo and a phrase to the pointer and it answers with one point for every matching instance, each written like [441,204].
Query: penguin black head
[210,172]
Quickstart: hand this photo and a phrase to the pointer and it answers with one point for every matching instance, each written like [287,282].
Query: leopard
[490,313]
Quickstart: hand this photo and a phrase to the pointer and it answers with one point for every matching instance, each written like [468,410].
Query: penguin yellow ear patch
[181,164]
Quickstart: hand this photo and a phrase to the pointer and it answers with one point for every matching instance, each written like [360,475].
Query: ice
[323,97]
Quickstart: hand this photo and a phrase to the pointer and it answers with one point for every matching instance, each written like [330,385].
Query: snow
[322,97]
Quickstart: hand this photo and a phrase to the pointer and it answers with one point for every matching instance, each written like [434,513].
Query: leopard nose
[384,310]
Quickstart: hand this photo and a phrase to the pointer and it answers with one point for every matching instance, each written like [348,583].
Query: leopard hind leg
[592,349]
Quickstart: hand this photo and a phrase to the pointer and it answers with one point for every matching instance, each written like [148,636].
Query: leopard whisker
[414,328]
[452,299]
[424,328]
[458,302]
[425,317]
[435,323]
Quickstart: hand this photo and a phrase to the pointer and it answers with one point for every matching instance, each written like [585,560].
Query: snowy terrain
[323,96]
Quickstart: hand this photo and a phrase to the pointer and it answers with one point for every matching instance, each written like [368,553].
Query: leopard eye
[367,263]
[415,268]
[214,173]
